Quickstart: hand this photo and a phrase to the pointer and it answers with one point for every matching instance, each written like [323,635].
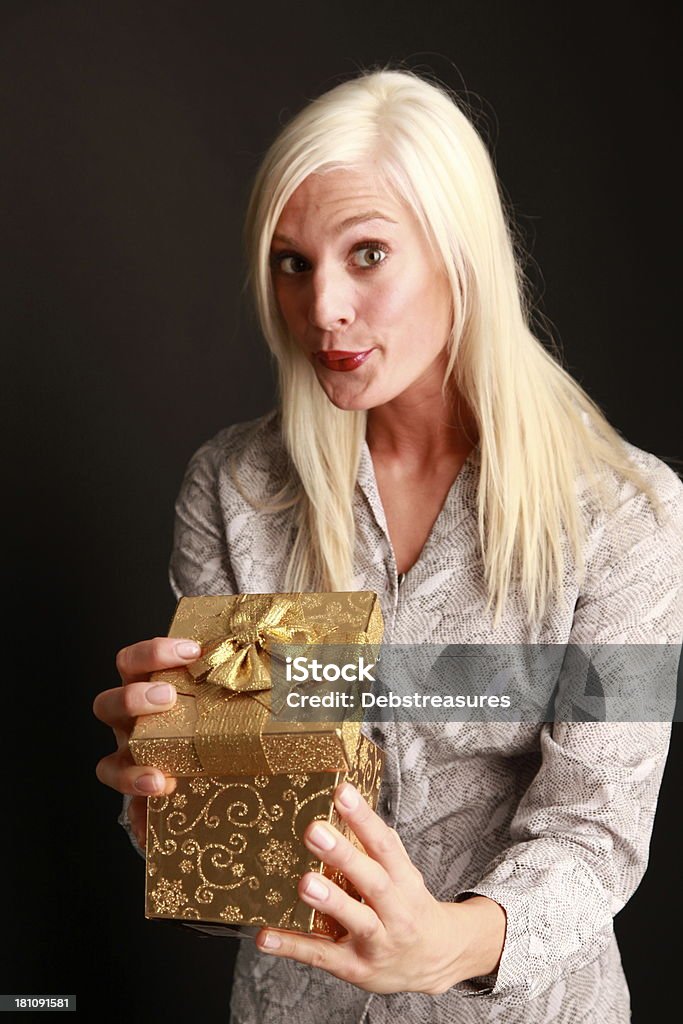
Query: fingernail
[188,649]
[161,694]
[316,890]
[271,941]
[148,784]
[322,837]
[348,797]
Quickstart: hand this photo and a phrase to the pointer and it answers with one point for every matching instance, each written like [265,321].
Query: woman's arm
[200,559]
[582,831]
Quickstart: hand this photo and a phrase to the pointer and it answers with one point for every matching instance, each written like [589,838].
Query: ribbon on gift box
[240,661]
[222,716]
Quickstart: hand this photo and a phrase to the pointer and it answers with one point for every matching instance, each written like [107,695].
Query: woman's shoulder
[251,452]
[249,439]
[657,489]
[623,473]
[250,442]
[642,519]
[631,590]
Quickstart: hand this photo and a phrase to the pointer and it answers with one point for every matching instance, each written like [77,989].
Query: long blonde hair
[538,430]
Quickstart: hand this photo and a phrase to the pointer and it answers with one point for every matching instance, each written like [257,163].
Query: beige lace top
[552,821]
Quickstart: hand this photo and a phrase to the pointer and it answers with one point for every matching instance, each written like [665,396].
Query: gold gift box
[226,847]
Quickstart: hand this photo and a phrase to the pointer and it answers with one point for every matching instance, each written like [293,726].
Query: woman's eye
[290,264]
[369,256]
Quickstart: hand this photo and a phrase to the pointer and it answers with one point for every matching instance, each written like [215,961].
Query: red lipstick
[343,361]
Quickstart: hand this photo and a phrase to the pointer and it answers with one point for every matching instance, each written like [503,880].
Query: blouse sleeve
[582,830]
[200,560]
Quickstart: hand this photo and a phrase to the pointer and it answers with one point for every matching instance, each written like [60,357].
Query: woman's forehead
[342,196]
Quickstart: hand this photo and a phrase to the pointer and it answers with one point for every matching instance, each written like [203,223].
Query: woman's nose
[331,302]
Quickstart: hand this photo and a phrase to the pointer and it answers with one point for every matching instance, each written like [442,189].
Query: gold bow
[240,661]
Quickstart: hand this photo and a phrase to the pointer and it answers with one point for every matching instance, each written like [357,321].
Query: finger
[120,706]
[336,958]
[381,842]
[367,875]
[118,771]
[134,663]
[359,919]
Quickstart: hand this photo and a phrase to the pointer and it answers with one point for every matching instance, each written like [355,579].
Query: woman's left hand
[400,939]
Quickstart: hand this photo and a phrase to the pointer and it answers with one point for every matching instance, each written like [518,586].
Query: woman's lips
[342,361]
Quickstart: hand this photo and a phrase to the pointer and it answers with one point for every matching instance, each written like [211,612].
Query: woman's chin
[348,406]
[348,398]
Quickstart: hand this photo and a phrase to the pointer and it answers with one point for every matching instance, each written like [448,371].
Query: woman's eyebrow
[349,222]
[360,218]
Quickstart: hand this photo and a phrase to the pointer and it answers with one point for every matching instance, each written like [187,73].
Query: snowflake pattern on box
[231,850]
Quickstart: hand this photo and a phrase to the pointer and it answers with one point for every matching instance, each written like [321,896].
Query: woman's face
[360,291]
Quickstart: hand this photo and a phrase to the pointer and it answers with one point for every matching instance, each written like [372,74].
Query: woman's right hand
[119,707]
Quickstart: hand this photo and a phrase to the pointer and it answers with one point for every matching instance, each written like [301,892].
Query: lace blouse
[552,821]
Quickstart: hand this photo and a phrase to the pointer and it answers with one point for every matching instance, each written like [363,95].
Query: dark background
[130,132]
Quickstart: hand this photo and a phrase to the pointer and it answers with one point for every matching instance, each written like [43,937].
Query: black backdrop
[130,131]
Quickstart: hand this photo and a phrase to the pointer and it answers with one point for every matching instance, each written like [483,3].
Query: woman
[428,448]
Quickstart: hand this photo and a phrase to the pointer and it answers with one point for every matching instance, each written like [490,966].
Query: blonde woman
[427,447]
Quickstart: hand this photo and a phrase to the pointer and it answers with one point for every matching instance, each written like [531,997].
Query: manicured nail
[148,784]
[322,837]
[162,694]
[188,649]
[316,890]
[348,797]
[271,941]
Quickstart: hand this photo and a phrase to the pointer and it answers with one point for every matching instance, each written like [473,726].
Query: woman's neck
[418,431]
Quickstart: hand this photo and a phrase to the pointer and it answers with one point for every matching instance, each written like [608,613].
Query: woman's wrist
[473,940]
